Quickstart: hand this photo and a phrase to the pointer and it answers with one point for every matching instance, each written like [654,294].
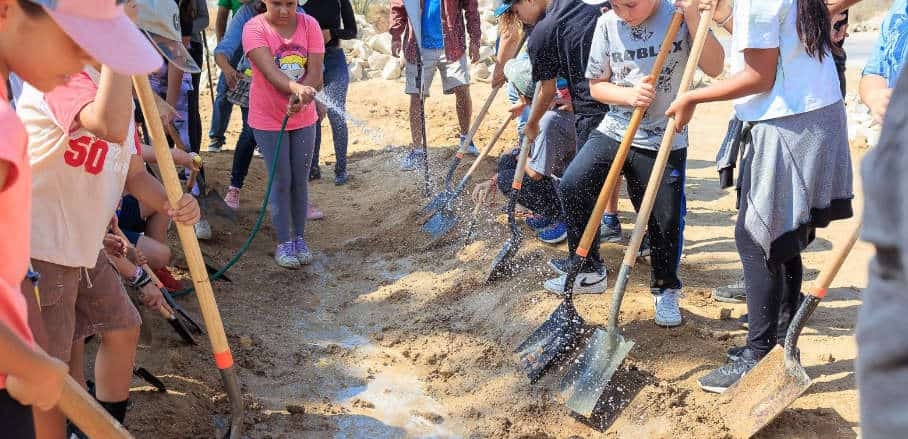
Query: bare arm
[109,115]
[542,101]
[875,94]
[220,23]
[836,7]
[174,84]
[507,50]
[149,191]
[712,59]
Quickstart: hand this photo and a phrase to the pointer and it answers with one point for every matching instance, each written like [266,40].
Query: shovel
[149,378]
[779,378]
[221,349]
[209,200]
[82,409]
[561,329]
[588,376]
[501,263]
[444,218]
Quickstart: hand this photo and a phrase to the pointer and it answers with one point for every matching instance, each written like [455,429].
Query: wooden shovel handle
[833,264]
[87,414]
[221,349]
[485,151]
[665,148]
[614,172]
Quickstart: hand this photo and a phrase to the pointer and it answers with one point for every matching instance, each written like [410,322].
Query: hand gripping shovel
[558,333]
[210,201]
[589,374]
[779,378]
[222,356]
[444,218]
[82,409]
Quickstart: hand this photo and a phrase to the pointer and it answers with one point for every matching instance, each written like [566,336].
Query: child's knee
[121,339]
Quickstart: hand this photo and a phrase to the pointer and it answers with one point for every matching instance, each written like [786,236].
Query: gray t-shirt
[555,145]
[625,54]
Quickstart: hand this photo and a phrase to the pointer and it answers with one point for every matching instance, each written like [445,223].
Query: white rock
[486,52]
[480,72]
[489,34]
[380,43]
[391,70]
[355,68]
[488,16]
[356,49]
[378,61]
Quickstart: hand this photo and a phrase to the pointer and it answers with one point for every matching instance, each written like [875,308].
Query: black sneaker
[725,376]
[743,321]
[340,179]
[733,293]
[559,265]
[215,145]
[315,173]
[734,354]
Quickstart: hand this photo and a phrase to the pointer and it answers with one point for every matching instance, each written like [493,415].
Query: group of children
[73,150]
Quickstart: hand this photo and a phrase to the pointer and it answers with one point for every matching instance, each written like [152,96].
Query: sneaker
[312,213]
[610,230]
[668,314]
[471,148]
[724,377]
[303,255]
[257,153]
[586,283]
[538,222]
[285,255]
[232,198]
[315,173]
[167,279]
[735,353]
[203,229]
[554,233]
[413,160]
[743,321]
[215,145]
[560,265]
[340,179]
[733,293]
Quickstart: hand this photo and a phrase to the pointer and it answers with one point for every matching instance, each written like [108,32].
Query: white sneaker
[586,283]
[203,229]
[668,314]
[285,255]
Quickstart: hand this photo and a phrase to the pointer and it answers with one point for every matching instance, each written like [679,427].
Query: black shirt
[559,45]
[329,14]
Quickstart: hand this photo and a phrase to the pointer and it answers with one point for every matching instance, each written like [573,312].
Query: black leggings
[583,180]
[540,196]
[15,419]
[197,51]
[773,290]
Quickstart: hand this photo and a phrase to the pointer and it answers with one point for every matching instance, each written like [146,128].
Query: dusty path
[383,338]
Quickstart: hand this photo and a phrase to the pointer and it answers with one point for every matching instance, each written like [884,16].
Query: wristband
[140,280]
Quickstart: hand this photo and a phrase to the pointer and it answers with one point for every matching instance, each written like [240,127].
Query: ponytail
[813,27]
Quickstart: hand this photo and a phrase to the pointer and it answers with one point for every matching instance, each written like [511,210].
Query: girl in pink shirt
[287,51]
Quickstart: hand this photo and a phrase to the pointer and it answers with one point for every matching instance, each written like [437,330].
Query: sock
[610,219]
[116,409]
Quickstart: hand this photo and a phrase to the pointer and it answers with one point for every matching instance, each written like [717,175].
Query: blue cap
[505,6]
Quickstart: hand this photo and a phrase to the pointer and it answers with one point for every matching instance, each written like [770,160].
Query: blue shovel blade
[440,223]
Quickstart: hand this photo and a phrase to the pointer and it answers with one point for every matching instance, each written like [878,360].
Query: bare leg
[612,207]
[114,363]
[157,253]
[415,121]
[464,108]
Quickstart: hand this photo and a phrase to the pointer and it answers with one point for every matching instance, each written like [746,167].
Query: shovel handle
[524,149]
[87,414]
[833,264]
[221,349]
[665,148]
[485,151]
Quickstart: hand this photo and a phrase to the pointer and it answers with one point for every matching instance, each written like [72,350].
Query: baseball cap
[505,6]
[160,21]
[103,30]
[519,72]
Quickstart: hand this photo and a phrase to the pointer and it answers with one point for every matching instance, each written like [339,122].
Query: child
[82,148]
[286,50]
[624,49]
[787,89]
[69,32]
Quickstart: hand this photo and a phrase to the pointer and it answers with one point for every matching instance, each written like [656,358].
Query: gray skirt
[795,176]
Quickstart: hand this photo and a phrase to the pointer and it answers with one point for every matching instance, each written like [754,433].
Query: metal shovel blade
[501,263]
[556,335]
[181,329]
[440,224]
[149,378]
[182,313]
[591,371]
[438,201]
[764,392]
[214,204]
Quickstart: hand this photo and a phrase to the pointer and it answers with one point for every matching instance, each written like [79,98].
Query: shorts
[73,306]
[15,419]
[453,74]
[130,220]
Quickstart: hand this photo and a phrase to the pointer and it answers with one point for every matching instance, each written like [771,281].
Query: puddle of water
[341,336]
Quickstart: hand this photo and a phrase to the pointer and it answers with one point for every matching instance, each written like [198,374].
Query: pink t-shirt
[15,230]
[267,106]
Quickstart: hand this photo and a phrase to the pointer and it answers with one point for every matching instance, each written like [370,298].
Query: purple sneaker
[303,255]
[285,256]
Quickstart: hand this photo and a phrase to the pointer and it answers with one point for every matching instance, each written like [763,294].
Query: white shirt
[802,84]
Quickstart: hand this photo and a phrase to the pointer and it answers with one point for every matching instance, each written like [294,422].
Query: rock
[724,313]
[380,43]
[355,68]
[296,409]
[246,342]
[363,404]
[356,49]
[391,70]
[489,34]
[480,72]
[488,16]
[378,61]
[432,417]
[486,52]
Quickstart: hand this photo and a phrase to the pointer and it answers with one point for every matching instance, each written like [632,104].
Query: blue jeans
[242,157]
[337,80]
[220,114]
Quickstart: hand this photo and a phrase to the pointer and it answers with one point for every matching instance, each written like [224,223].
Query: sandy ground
[387,336]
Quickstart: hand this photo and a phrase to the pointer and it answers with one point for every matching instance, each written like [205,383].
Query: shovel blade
[556,335]
[181,329]
[214,204]
[440,224]
[764,392]
[501,265]
[590,372]
[438,202]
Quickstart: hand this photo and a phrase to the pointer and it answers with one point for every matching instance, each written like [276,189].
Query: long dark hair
[813,27]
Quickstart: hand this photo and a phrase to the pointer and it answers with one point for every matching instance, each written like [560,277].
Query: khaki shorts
[74,306]
[453,74]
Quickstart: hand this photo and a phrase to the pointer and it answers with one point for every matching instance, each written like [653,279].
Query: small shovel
[779,378]
[588,376]
[444,218]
